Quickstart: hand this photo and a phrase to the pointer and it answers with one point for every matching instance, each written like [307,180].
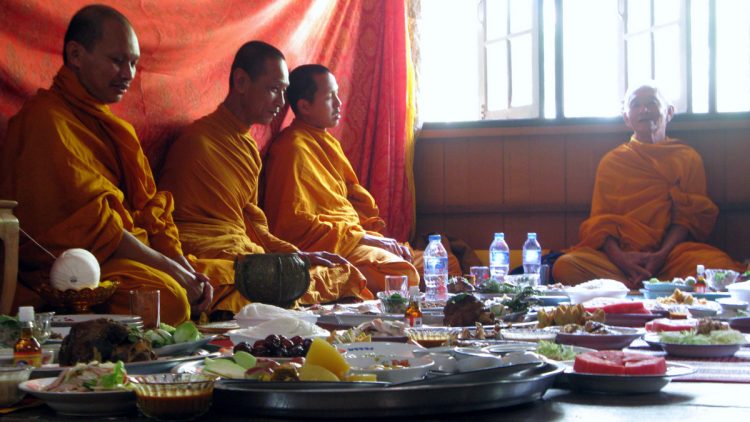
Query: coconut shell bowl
[78,301]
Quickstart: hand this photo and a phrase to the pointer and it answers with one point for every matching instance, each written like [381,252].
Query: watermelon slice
[616,362]
[666,324]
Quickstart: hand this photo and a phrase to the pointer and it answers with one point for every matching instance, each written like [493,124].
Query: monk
[82,181]
[649,209]
[312,195]
[213,171]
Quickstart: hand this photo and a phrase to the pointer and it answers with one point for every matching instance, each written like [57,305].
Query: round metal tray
[347,400]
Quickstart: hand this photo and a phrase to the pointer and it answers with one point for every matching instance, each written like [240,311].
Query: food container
[740,291]
[10,378]
[582,295]
[395,303]
[718,279]
[173,396]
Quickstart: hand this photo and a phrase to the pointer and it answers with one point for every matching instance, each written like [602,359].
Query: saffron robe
[80,178]
[213,172]
[313,199]
[641,189]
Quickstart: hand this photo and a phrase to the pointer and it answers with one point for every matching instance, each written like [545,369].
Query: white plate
[510,346]
[695,350]
[417,368]
[528,334]
[402,350]
[187,348]
[92,403]
[624,384]
[156,366]
[728,303]
[68,320]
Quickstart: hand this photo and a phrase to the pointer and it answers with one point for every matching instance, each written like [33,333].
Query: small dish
[173,396]
[694,350]
[665,286]
[625,384]
[417,368]
[719,279]
[731,304]
[377,348]
[395,303]
[477,363]
[619,339]
[10,378]
[511,346]
[741,324]
[181,349]
[528,334]
[89,404]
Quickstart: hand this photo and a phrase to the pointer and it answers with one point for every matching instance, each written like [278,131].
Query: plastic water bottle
[435,269]
[499,257]
[532,255]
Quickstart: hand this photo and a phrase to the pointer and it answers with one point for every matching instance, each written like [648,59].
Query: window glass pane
[497,76]
[699,50]
[666,11]
[732,55]
[549,59]
[497,19]
[639,58]
[669,73]
[521,13]
[458,100]
[639,15]
[522,72]
[591,59]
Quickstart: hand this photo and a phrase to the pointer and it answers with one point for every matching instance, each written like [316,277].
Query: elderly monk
[312,195]
[648,207]
[82,181]
[213,171]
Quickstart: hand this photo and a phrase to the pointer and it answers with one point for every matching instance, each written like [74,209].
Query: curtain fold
[187,49]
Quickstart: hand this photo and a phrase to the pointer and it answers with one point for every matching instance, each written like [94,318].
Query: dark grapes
[277,346]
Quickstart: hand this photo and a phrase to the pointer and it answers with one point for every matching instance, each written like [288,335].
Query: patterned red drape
[187,48]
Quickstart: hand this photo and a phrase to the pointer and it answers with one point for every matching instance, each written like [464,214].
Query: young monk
[82,181]
[649,206]
[312,195]
[213,171]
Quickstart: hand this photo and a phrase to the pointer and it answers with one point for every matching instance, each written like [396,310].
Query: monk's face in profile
[648,115]
[107,70]
[325,109]
[262,98]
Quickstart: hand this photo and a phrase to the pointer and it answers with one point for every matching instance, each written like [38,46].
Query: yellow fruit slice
[309,372]
[361,378]
[322,353]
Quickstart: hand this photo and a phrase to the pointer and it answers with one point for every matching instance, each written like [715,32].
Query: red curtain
[186,51]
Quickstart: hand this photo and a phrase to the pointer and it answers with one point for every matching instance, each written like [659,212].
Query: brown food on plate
[102,340]
[706,325]
[568,314]
[465,310]
[459,285]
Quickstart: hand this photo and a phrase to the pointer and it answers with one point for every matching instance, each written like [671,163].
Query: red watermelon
[619,363]
[665,324]
[621,308]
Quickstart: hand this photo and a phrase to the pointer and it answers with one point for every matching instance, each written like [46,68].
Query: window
[525,59]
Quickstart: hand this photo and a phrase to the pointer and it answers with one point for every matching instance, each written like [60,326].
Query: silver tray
[348,400]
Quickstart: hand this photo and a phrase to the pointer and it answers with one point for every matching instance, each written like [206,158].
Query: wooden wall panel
[533,170]
[737,167]
[474,173]
[429,174]
[582,155]
[712,148]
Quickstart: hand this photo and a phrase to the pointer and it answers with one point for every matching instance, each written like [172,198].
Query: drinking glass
[481,274]
[145,303]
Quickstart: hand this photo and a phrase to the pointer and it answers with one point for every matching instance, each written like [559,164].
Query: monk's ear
[304,106]
[74,52]
[240,80]
[669,113]
[626,119]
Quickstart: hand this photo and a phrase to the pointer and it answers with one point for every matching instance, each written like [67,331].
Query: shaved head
[86,26]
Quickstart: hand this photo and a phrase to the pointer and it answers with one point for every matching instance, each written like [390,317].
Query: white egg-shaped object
[75,269]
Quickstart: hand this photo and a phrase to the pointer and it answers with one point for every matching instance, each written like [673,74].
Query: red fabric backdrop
[186,51]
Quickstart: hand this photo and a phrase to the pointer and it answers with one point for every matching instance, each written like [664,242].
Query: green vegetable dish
[555,351]
[166,334]
[715,337]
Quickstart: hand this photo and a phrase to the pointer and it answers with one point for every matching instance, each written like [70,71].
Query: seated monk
[312,195]
[649,208]
[213,170]
[82,181]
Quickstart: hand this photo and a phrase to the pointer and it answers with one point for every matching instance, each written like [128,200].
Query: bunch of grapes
[276,346]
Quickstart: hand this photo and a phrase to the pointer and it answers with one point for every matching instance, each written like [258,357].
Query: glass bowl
[393,303]
[718,279]
[173,396]
[10,378]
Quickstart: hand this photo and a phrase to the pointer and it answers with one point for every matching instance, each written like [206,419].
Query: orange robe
[213,170]
[313,199]
[642,189]
[80,178]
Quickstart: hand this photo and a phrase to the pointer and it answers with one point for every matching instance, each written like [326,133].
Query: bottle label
[531,256]
[413,321]
[32,359]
